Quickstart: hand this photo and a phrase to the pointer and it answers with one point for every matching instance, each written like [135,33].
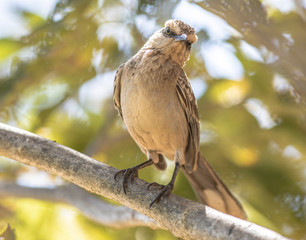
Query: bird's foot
[166,190]
[129,174]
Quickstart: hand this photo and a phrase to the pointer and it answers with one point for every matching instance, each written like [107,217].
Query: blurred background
[248,72]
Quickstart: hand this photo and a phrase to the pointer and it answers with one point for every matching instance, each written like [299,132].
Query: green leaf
[9,46]
[33,20]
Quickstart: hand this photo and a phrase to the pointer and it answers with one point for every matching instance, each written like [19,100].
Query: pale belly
[155,123]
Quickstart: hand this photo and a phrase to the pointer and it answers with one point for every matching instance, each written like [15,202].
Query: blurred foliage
[56,81]
[8,234]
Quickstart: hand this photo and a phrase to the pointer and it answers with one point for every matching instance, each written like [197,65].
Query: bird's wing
[208,187]
[117,89]
[189,105]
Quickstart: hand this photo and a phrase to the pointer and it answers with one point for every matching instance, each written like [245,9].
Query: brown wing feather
[189,105]
[207,185]
[117,89]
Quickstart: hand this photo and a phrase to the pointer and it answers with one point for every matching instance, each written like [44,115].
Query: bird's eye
[167,30]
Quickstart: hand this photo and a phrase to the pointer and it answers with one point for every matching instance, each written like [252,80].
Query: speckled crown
[179,27]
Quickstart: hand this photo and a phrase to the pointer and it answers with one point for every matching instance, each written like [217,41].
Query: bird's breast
[152,112]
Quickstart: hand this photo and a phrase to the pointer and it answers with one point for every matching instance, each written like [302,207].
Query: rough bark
[184,218]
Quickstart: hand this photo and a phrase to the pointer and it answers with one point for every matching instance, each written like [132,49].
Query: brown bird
[155,100]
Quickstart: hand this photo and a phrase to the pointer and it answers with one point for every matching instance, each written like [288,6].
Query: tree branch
[249,17]
[89,205]
[182,217]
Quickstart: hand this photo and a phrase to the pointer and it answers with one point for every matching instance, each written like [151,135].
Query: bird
[158,107]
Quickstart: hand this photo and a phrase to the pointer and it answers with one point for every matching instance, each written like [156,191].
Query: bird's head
[174,40]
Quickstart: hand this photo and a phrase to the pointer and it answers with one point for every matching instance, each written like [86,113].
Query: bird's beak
[182,37]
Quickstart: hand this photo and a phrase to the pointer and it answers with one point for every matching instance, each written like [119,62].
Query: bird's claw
[166,190]
[129,174]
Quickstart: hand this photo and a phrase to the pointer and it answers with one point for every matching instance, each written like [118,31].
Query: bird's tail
[211,191]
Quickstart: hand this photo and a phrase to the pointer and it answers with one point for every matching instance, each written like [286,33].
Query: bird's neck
[160,68]
[178,55]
